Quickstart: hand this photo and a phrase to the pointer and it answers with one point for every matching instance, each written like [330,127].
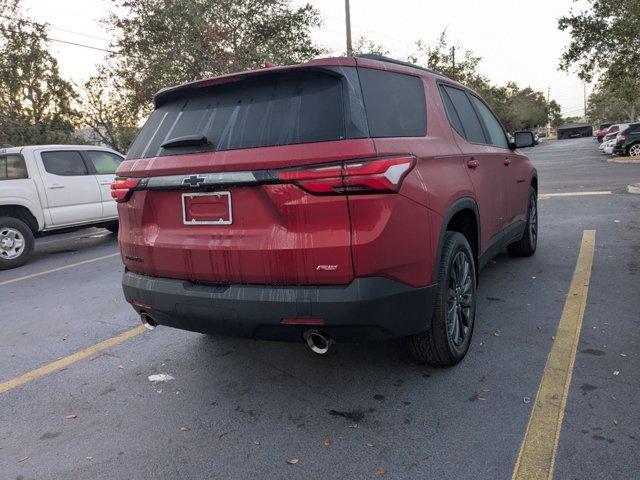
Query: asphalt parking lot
[243,409]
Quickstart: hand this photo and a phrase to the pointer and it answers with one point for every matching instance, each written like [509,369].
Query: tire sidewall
[459,244]
[27,234]
[533,243]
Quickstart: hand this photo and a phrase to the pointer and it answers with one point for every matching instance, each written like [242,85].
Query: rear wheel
[526,246]
[16,242]
[634,150]
[447,339]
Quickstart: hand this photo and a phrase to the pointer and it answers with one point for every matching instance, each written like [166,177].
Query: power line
[82,45]
[77,44]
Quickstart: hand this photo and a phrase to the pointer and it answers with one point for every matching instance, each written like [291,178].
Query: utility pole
[549,119]
[453,62]
[347,12]
[584,96]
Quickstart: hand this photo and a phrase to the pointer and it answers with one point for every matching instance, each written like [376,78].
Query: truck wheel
[16,243]
[447,339]
[526,246]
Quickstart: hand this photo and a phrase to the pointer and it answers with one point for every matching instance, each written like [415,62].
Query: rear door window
[12,167]
[64,163]
[495,130]
[395,103]
[262,111]
[104,163]
[473,131]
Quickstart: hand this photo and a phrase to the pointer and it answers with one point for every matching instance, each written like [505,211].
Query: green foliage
[364,45]
[36,104]
[450,60]
[605,41]
[605,35]
[610,101]
[517,109]
[167,42]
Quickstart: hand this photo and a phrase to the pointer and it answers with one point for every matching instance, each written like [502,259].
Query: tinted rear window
[64,163]
[394,102]
[12,167]
[470,122]
[282,109]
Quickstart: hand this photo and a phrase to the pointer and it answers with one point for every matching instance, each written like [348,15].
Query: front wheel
[16,243]
[447,339]
[526,246]
[634,150]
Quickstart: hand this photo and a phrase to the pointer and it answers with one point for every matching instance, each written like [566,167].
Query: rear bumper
[368,309]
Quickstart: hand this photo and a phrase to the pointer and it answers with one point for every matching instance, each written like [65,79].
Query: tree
[364,45]
[36,104]
[517,109]
[161,43]
[450,60]
[607,34]
[605,41]
[106,113]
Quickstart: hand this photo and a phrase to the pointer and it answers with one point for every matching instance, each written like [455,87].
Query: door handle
[507,161]
[55,186]
[473,163]
[105,183]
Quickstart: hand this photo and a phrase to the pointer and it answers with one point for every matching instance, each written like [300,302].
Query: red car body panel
[283,235]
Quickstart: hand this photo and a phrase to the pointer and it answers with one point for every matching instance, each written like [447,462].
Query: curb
[622,160]
[634,188]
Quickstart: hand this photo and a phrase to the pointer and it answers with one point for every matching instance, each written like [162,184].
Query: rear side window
[470,122]
[105,163]
[12,167]
[278,109]
[495,130]
[395,103]
[64,163]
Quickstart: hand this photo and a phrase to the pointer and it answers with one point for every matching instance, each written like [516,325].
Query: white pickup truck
[49,187]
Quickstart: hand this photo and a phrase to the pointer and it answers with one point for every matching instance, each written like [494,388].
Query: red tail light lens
[121,188]
[382,175]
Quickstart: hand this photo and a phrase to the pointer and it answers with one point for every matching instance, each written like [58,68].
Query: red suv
[345,199]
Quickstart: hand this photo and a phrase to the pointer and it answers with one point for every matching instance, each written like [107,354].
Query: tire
[634,150]
[113,227]
[526,246]
[16,243]
[440,345]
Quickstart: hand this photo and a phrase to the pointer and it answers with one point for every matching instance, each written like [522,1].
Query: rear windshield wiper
[186,141]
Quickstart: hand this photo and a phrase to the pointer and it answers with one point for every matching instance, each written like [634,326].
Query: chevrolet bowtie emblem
[193,181]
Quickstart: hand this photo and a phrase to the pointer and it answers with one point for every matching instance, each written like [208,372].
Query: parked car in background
[627,142]
[606,147]
[347,199]
[49,187]
[602,131]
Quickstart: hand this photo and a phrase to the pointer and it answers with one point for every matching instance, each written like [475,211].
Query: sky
[516,43]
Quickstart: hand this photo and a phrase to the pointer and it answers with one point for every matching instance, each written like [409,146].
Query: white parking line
[33,275]
[573,194]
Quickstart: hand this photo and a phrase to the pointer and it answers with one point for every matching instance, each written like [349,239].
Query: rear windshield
[302,107]
[305,106]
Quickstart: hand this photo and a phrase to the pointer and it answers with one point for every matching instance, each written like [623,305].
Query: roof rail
[382,58]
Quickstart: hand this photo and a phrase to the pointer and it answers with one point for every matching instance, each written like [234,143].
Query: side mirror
[523,139]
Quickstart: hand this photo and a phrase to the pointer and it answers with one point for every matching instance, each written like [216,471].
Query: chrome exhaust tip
[148,321]
[318,342]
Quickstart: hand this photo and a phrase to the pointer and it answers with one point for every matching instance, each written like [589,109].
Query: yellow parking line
[66,361]
[573,194]
[33,275]
[538,450]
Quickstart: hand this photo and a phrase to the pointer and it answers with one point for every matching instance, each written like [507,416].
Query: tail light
[121,188]
[380,175]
